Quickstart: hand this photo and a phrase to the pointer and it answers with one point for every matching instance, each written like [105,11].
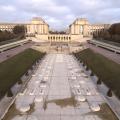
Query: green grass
[12,69]
[107,70]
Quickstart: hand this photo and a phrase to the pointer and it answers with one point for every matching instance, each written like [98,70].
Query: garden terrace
[14,68]
[107,70]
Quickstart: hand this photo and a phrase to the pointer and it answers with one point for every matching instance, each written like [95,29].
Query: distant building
[78,29]
[36,26]
[83,27]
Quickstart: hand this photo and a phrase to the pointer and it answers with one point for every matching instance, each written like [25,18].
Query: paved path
[111,55]
[55,92]
[10,53]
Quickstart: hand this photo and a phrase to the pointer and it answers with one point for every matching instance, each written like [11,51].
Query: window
[81,29]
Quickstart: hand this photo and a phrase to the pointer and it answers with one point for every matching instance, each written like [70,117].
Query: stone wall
[60,37]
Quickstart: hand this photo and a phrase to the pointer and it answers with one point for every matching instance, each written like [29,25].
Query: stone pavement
[60,90]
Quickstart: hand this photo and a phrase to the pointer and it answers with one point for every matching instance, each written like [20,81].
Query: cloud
[42,7]
[7,8]
[60,13]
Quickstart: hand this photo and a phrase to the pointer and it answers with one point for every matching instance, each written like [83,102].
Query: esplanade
[80,28]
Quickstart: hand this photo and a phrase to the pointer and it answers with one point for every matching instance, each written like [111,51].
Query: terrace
[60,90]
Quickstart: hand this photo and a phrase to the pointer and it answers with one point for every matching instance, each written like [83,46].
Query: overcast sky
[60,13]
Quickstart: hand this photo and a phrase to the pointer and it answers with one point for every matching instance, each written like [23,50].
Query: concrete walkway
[60,90]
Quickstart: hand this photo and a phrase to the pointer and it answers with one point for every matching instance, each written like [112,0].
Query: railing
[105,45]
[12,45]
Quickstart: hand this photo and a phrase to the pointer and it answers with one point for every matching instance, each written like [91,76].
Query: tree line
[57,32]
[17,32]
[112,34]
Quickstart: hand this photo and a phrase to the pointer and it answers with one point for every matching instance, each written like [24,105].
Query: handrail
[13,44]
[105,45]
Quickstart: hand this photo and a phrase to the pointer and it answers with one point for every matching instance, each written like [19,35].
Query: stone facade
[78,29]
[83,27]
[60,37]
[8,26]
[36,26]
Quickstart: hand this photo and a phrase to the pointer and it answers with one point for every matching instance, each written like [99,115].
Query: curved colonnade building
[80,28]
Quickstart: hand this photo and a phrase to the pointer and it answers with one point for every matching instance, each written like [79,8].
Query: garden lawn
[12,69]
